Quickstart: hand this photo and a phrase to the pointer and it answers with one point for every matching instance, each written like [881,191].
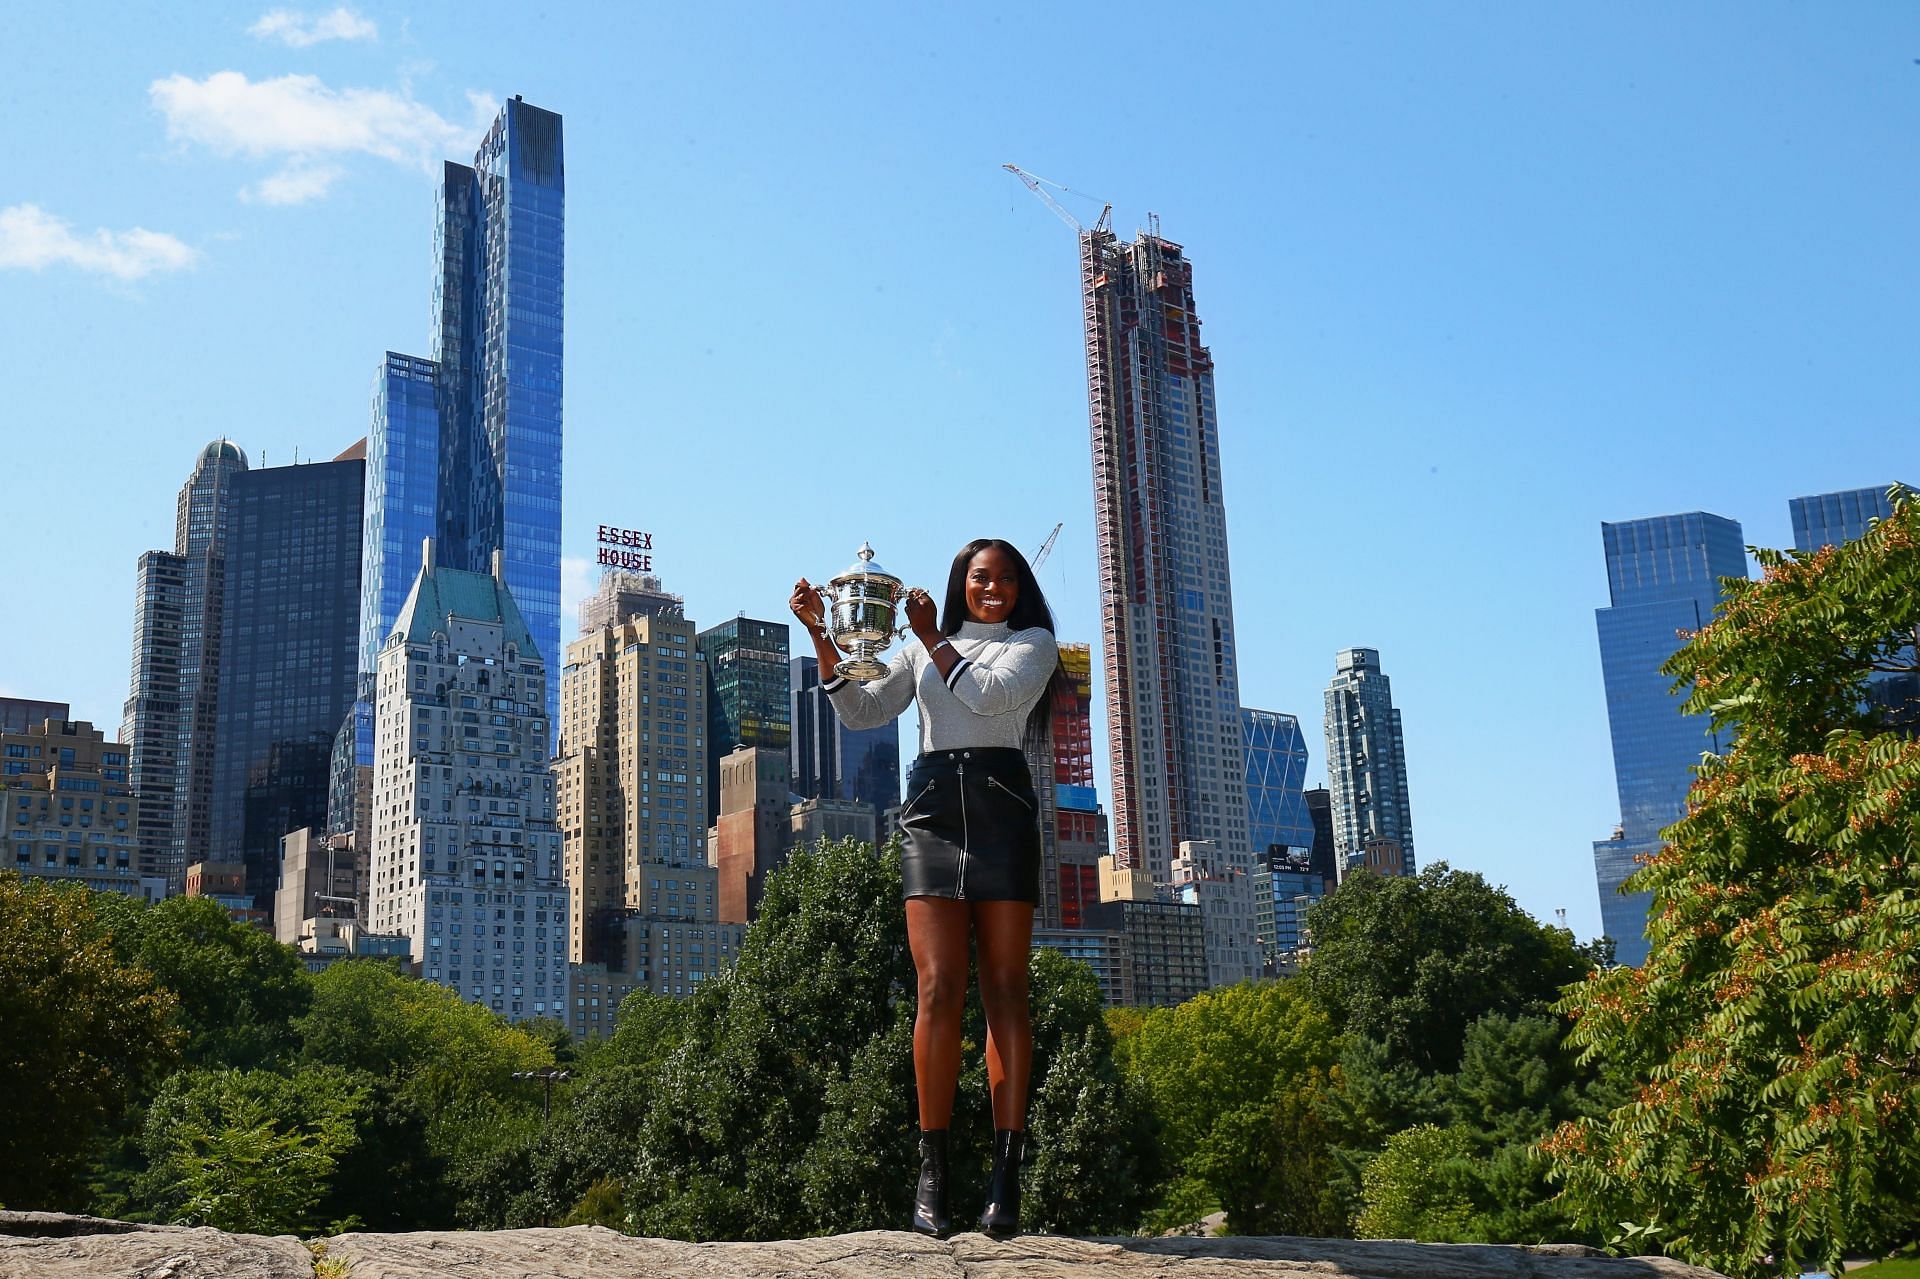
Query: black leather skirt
[972,826]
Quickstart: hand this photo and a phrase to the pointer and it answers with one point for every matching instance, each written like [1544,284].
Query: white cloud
[31,239]
[299,121]
[295,184]
[300,30]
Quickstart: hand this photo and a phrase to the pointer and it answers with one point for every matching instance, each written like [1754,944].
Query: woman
[972,857]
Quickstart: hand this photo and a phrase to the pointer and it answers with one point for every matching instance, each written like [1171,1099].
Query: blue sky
[1475,278]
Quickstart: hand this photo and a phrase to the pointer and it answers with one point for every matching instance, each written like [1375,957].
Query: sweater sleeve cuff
[837,682]
[958,666]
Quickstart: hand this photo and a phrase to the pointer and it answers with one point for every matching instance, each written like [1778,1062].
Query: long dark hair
[1029,610]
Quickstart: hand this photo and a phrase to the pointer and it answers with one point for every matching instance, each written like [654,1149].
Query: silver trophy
[862,604]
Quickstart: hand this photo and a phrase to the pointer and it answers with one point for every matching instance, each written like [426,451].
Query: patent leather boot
[930,1197]
[1001,1220]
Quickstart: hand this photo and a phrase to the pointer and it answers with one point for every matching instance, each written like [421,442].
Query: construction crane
[1038,186]
[1046,547]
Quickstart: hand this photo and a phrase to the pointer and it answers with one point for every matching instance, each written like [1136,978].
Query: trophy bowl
[863,602]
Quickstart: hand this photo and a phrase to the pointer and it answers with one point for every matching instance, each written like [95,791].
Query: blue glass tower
[1277,817]
[402,499]
[498,357]
[1828,519]
[1663,576]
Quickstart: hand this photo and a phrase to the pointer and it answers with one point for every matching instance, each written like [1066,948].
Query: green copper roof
[453,592]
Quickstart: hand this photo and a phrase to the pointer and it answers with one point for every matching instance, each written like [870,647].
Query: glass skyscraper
[168,720]
[831,761]
[1277,817]
[1367,768]
[1172,668]
[402,499]
[498,354]
[289,656]
[748,699]
[1663,577]
[1828,519]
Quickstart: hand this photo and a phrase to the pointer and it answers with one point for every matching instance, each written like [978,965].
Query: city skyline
[1534,278]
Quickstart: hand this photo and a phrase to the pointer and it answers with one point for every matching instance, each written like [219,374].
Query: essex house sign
[626,548]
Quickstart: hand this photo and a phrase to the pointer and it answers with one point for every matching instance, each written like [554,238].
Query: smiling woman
[971,858]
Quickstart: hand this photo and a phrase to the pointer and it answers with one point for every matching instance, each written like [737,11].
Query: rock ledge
[56,1246]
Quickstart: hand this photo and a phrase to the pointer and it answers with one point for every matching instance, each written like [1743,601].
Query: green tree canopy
[1412,962]
[1774,1026]
[1234,1075]
[82,1034]
[237,990]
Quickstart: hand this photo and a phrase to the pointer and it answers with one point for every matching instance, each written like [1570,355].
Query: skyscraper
[747,694]
[168,721]
[289,650]
[1828,519]
[466,859]
[1366,768]
[497,353]
[1172,678]
[1663,577]
[1321,859]
[832,761]
[1277,819]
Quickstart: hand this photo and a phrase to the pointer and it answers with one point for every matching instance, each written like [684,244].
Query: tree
[238,991]
[251,1151]
[1412,962]
[1234,1075]
[82,1034]
[785,1104]
[1774,1029]
[1422,1186]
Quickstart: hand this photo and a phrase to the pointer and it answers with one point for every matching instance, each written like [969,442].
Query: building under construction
[1166,599]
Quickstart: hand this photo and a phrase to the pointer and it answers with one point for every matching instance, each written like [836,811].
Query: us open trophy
[863,601]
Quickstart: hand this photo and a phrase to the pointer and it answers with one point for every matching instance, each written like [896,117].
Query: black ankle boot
[1001,1220]
[930,1197]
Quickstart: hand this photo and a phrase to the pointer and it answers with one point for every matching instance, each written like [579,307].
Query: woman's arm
[875,702]
[1011,678]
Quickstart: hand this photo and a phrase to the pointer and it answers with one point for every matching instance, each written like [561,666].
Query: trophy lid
[865,567]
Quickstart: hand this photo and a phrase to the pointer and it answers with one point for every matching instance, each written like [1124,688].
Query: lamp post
[548,1077]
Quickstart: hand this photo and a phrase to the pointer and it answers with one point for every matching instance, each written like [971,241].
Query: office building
[320,877]
[1105,952]
[747,694]
[70,811]
[631,782]
[1277,817]
[1319,804]
[750,839]
[1829,519]
[832,761]
[1663,578]
[289,643]
[498,363]
[466,859]
[1283,890]
[1224,893]
[1172,674]
[1366,767]
[168,721]
[226,883]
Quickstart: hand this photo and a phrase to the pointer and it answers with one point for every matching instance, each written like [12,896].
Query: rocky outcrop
[116,1250]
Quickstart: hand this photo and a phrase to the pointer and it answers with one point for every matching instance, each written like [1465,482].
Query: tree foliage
[785,1106]
[1411,962]
[82,1032]
[1233,1076]
[1774,1026]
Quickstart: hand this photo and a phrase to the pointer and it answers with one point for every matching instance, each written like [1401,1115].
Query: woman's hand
[922,617]
[809,607]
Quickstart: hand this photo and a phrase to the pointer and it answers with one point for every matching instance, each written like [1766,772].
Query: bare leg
[1004,932]
[937,933]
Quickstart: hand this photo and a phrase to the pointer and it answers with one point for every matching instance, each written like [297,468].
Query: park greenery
[1443,1067]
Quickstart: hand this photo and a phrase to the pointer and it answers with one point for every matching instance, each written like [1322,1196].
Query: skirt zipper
[995,781]
[961,888]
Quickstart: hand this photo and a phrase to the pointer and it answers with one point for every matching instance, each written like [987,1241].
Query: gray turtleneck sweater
[984,701]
